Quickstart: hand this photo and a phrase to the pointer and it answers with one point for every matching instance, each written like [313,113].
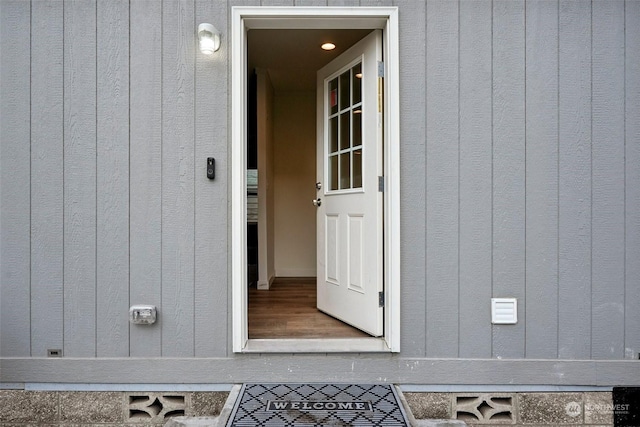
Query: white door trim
[244,18]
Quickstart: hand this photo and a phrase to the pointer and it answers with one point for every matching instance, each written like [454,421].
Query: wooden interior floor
[288,310]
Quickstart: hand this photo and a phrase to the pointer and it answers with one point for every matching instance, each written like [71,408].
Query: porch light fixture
[208,38]
[328,46]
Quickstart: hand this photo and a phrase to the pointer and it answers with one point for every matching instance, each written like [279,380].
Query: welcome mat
[317,405]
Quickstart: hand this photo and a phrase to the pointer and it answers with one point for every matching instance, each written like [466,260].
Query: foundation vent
[485,409]
[154,407]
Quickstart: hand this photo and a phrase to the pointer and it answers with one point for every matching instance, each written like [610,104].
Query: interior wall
[294,180]
[266,269]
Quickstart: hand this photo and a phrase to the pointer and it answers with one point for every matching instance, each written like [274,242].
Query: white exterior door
[349,197]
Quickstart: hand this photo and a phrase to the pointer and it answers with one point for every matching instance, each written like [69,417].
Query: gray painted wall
[520,152]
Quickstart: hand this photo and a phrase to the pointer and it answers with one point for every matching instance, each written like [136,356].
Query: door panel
[331,256]
[354,251]
[349,217]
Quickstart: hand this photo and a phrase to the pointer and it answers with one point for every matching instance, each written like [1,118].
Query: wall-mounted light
[208,38]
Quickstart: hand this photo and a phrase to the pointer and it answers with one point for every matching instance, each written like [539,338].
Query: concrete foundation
[60,408]
[516,409]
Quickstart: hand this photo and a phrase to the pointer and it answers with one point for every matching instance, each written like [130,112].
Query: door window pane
[357,128]
[333,135]
[345,171]
[333,96]
[357,169]
[356,73]
[333,172]
[344,92]
[345,131]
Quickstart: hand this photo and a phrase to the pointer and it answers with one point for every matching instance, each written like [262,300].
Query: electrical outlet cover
[142,314]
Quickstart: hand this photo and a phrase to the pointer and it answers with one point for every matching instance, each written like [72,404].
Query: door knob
[317,202]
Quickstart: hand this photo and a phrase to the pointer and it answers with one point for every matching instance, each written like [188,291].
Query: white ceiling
[292,57]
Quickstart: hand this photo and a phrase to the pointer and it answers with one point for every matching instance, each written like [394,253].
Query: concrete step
[193,422]
[221,420]
[218,422]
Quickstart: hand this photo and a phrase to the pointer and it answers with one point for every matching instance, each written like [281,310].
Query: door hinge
[381,184]
[381,299]
[381,69]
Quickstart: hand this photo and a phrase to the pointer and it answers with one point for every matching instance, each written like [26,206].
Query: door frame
[384,18]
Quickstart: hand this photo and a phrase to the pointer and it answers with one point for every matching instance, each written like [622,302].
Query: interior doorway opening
[281,181]
[288,311]
[247,18]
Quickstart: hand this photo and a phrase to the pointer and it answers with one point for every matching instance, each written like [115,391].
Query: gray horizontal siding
[338,368]
[520,178]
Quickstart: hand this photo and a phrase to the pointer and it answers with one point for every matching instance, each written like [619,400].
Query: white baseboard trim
[296,272]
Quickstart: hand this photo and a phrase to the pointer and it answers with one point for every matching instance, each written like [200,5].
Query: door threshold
[317,345]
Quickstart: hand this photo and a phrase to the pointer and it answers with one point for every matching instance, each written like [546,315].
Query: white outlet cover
[504,311]
[142,314]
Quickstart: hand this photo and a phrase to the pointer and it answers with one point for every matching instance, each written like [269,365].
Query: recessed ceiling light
[328,46]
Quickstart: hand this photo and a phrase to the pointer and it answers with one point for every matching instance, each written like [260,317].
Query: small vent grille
[485,409]
[155,407]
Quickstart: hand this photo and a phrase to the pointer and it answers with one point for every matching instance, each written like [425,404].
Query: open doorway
[282,67]
[385,19]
